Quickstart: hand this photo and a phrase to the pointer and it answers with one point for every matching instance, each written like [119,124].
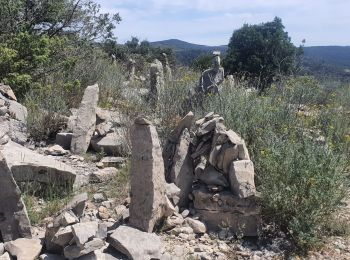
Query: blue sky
[211,22]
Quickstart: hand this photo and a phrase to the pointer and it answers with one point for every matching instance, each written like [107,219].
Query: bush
[302,179]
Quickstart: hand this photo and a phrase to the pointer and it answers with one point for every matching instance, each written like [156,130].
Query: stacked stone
[13,115]
[217,174]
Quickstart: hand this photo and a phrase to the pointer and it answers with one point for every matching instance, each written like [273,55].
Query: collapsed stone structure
[211,79]
[217,176]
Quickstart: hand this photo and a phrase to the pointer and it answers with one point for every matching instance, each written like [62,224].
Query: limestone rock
[64,140]
[17,131]
[24,248]
[15,109]
[211,176]
[2,249]
[156,80]
[83,232]
[197,226]
[172,191]
[242,178]
[77,204]
[7,92]
[242,216]
[242,148]
[63,236]
[185,122]
[5,256]
[111,161]
[147,178]
[27,165]
[104,175]
[14,221]
[135,244]
[113,144]
[85,121]
[74,251]
[56,150]
[182,169]
[122,212]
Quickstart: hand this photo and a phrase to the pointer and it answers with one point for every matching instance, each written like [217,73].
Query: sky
[212,22]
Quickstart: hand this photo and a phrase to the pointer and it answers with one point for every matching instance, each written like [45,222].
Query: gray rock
[135,244]
[113,144]
[212,78]
[122,212]
[85,121]
[242,216]
[74,251]
[83,232]
[103,128]
[63,236]
[17,131]
[102,115]
[27,165]
[77,204]
[211,176]
[242,148]
[99,197]
[2,249]
[209,126]
[185,122]
[242,178]
[104,175]
[6,91]
[197,226]
[110,161]
[13,214]
[5,256]
[182,169]
[67,218]
[18,111]
[171,190]
[64,140]
[24,248]
[147,178]
[56,150]
[156,80]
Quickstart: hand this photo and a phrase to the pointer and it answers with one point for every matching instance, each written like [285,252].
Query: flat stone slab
[27,165]
[135,244]
[24,248]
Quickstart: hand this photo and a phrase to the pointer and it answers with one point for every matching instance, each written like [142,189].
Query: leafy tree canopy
[262,53]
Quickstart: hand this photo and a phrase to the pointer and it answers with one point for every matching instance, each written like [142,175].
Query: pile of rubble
[213,170]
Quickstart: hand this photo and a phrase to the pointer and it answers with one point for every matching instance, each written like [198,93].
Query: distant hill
[334,55]
[318,60]
[187,52]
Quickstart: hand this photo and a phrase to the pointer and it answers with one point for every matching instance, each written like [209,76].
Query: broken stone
[185,122]
[85,121]
[56,150]
[135,244]
[182,169]
[116,162]
[63,236]
[147,178]
[122,212]
[211,176]
[83,232]
[103,175]
[103,128]
[242,216]
[5,256]
[242,178]
[27,166]
[98,197]
[169,209]
[67,218]
[74,251]
[184,230]
[14,221]
[103,212]
[209,126]
[113,144]
[24,248]
[197,226]
[77,204]
[242,148]
[64,140]
[7,92]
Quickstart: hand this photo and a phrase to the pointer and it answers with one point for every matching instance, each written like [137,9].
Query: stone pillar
[148,199]
[156,80]
[86,121]
[14,221]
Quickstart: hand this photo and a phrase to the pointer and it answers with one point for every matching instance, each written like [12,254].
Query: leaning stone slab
[27,165]
[147,177]
[182,168]
[74,251]
[24,248]
[242,178]
[83,232]
[85,121]
[135,244]
[14,221]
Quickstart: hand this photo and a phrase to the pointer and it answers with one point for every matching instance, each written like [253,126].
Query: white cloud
[212,22]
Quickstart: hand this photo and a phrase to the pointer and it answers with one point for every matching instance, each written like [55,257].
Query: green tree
[42,37]
[262,52]
[202,62]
